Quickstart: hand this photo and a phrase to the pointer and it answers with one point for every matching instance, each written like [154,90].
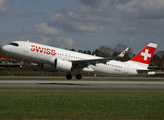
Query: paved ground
[39,84]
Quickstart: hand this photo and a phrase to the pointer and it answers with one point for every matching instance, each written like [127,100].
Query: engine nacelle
[61,64]
[47,67]
[57,64]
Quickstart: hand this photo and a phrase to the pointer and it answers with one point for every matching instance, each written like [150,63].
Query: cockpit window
[14,44]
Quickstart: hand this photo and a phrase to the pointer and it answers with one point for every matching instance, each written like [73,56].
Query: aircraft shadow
[63,84]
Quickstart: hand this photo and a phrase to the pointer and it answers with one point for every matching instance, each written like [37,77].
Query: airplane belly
[114,69]
[107,70]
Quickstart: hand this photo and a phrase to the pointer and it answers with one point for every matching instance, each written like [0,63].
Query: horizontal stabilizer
[143,71]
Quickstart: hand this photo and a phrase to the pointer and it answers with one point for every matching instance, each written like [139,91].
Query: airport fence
[38,73]
[43,73]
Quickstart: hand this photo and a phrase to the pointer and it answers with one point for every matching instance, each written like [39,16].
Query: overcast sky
[83,24]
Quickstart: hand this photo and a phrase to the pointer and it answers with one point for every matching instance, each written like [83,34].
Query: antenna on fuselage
[28,40]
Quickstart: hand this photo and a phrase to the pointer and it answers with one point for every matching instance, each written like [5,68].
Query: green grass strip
[81,104]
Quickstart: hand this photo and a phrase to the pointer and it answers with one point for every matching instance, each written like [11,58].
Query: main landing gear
[69,76]
[78,76]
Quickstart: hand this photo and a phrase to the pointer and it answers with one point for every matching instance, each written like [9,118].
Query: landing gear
[69,76]
[78,76]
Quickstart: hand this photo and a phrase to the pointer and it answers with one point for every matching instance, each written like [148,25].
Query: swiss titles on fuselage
[43,50]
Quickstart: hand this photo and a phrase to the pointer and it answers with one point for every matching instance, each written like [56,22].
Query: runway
[40,84]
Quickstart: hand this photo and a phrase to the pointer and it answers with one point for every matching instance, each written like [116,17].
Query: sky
[83,24]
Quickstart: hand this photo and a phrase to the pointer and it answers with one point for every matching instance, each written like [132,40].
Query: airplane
[53,59]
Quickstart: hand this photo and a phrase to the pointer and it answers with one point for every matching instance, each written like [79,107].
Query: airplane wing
[84,63]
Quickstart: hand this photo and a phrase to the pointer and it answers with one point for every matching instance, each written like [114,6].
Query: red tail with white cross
[145,55]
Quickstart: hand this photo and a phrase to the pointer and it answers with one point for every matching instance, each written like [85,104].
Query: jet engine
[61,64]
[47,67]
[57,64]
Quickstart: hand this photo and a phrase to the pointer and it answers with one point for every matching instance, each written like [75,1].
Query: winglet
[123,52]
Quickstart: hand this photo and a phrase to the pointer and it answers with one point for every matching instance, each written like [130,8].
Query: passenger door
[26,47]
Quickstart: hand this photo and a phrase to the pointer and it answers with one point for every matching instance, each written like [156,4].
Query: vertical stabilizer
[144,57]
[123,52]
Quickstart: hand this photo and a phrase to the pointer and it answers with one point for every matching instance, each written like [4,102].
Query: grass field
[81,104]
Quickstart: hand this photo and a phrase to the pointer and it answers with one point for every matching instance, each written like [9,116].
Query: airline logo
[43,50]
[124,52]
[145,55]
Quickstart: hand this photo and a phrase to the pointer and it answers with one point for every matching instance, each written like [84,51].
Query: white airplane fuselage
[47,54]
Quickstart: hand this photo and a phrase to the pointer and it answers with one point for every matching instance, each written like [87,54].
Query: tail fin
[144,57]
[123,52]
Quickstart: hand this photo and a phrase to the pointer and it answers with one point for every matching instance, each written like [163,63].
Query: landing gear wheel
[78,76]
[69,76]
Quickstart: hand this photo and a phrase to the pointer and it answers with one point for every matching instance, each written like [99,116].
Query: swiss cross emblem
[146,54]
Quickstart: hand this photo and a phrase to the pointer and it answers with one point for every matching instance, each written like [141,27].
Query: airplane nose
[5,48]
